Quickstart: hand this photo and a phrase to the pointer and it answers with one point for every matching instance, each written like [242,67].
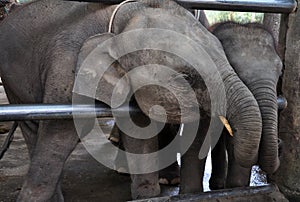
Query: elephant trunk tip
[270,168]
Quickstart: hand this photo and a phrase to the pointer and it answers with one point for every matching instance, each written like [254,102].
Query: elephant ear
[98,74]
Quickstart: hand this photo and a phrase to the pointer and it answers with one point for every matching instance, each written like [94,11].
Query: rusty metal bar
[24,112]
[264,6]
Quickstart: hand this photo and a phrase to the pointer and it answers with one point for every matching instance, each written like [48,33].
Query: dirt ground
[85,179]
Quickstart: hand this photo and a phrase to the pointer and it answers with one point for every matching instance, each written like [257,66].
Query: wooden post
[288,175]
[272,22]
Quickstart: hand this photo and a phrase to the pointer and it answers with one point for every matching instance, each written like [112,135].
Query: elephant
[52,39]
[251,50]
[171,174]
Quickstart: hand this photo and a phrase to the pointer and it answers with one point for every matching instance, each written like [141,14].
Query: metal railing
[264,6]
[27,112]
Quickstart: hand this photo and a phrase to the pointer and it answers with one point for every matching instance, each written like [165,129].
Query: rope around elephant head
[114,14]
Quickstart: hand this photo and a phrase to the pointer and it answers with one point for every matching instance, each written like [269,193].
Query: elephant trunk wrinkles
[265,93]
[245,118]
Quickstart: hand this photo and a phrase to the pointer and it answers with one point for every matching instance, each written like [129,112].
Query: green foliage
[23,1]
[219,16]
[241,17]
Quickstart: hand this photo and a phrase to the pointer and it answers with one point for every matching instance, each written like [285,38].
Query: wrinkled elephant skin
[251,50]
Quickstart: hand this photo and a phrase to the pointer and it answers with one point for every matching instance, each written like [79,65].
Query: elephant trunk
[265,93]
[245,119]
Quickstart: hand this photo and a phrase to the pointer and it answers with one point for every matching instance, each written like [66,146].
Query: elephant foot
[145,191]
[170,175]
[40,194]
[242,179]
[57,196]
[145,185]
[216,183]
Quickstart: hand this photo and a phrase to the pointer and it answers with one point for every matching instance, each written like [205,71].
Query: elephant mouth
[174,115]
[164,106]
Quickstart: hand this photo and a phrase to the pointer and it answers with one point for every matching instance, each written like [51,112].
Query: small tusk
[226,124]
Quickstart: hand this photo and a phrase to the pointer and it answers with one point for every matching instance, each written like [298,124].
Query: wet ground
[85,179]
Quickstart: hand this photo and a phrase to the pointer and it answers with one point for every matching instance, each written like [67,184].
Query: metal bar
[282,102]
[260,193]
[264,6]
[24,112]
[57,111]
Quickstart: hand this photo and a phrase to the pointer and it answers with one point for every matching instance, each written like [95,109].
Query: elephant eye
[179,79]
[189,79]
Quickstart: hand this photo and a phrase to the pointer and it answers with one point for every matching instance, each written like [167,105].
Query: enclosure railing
[27,112]
[264,6]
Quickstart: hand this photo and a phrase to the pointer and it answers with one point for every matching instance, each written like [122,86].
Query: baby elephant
[251,50]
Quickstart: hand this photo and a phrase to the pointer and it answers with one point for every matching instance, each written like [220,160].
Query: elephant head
[181,32]
[251,51]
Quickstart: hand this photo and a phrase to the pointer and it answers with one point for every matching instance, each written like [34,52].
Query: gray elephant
[171,174]
[251,50]
[42,43]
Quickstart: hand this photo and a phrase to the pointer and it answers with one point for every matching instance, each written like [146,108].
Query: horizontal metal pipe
[24,112]
[282,102]
[264,6]
[259,193]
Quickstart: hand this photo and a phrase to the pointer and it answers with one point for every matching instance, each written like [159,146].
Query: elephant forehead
[154,58]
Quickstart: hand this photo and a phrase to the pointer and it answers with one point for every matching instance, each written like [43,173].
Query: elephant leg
[121,165]
[168,175]
[56,140]
[192,168]
[58,196]
[29,130]
[237,176]
[171,174]
[219,164]
[144,185]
